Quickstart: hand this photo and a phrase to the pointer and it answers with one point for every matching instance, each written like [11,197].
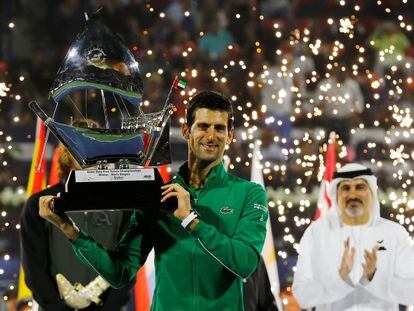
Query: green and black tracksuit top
[199,269]
[46,252]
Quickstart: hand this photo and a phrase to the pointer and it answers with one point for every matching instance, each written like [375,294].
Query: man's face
[208,135]
[355,201]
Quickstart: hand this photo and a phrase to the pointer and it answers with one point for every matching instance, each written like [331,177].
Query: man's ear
[230,136]
[185,131]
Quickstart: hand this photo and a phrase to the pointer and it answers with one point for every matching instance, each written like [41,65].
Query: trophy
[118,160]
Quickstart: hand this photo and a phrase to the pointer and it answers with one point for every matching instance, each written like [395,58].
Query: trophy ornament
[99,65]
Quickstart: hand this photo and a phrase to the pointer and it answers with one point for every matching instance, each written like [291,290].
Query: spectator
[341,100]
[352,258]
[278,96]
[390,45]
[214,44]
[52,272]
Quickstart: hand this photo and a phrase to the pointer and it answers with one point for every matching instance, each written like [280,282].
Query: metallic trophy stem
[104,109]
[166,113]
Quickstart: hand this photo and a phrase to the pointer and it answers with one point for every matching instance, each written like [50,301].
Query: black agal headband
[352,174]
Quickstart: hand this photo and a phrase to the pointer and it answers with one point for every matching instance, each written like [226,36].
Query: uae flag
[179,84]
[324,202]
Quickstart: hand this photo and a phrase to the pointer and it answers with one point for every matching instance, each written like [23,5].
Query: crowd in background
[272,53]
[265,38]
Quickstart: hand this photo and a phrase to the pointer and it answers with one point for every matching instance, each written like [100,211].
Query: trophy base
[121,189]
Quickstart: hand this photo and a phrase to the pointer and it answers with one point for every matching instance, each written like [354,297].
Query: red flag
[53,175]
[324,202]
[165,172]
[37,182]
[37,175]
[141,290]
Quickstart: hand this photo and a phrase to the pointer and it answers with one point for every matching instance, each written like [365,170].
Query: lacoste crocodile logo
[226,210]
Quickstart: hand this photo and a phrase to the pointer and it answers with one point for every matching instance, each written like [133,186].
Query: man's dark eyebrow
[203,124]
[359,182]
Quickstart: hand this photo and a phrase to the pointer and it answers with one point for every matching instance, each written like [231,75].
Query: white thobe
[317,282]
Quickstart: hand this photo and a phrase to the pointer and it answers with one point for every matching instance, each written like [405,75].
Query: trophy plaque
[119,159]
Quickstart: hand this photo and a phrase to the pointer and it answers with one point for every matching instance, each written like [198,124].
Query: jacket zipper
[205,248]
[194,264]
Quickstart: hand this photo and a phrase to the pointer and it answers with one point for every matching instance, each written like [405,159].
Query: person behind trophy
[58,280]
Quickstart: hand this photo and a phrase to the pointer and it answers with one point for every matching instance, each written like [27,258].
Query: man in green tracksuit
[203,249]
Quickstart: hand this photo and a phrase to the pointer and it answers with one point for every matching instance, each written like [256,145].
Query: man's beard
[355,213]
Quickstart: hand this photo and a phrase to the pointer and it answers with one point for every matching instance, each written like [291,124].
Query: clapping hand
[370,265]
[347,260]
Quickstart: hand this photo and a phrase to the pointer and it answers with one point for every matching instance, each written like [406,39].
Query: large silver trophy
[118,159]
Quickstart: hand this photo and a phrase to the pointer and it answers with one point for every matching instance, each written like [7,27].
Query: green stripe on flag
[182,84]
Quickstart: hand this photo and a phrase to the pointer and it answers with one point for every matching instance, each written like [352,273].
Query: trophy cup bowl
[98,60]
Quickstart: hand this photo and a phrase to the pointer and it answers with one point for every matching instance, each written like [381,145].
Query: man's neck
[358,221]
[199,171]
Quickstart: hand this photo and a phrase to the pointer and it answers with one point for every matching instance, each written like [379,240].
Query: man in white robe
[353,259]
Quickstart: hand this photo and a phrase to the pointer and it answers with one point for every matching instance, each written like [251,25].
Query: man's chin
[207,157]
[354,212]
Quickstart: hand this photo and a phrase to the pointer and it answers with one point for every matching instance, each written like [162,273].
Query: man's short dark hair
[210,100]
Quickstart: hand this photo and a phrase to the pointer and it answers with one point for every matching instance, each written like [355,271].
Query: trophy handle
[48,122]
[153,143]
[166,113]
[33,105]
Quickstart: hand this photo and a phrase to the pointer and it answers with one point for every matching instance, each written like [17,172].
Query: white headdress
[347,172]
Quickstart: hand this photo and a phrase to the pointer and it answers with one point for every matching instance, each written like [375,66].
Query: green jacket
[201,269]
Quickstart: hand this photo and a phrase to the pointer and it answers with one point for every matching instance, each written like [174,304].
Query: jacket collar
[216,176]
